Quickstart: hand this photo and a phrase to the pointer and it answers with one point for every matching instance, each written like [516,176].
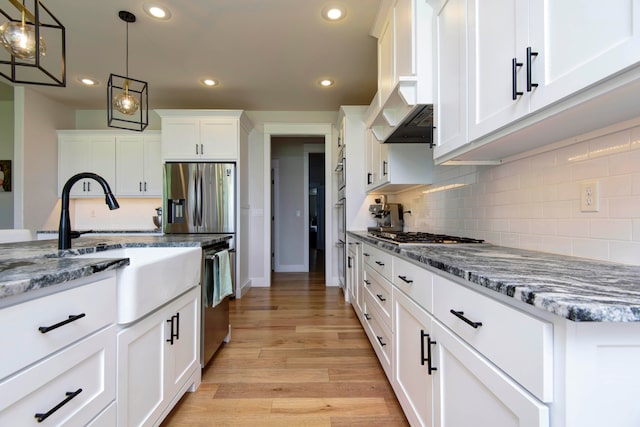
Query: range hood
[417,127]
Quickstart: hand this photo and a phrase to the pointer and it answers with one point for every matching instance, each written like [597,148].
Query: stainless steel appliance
[388,216]
[201,198]
[420,238]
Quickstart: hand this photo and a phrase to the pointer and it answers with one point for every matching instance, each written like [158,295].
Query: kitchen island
[106,333]
[478,334]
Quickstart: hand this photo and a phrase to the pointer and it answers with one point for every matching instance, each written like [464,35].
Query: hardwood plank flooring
[298,356]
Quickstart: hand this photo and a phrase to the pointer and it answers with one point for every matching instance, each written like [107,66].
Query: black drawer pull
[460,315]
[70,395]
[175,324]
[366,282]
[405,280]
[514,79]
[365,254]
[381,298]
[530,54]
[366,316]
[45,329]
[381,264]
[380,341]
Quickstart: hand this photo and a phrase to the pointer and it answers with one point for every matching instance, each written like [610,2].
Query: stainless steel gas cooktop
[418,238]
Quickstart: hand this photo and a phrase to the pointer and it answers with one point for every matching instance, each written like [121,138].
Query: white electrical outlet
[590,196]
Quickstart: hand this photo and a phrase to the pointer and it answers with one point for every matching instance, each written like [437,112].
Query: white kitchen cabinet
[62,357]
[138,166]
[372,159]
[201,134]
[470,391]
[536,73]
[354,274]
[86,152]
[157,359]
[450,116]
[395,167]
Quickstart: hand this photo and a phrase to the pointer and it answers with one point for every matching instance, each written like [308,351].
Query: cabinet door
[451,83]
[412,381]
[152,166]
[180,138]
[219,139]
[470,391]
[497,34]
[103,163]
[141,371]
[183,350]
[580,43]
[383,164]
[86,153]
[372,155]
[129,161]
[73,158]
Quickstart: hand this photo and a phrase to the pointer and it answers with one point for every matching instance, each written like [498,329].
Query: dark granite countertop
[577,289]
[37,264]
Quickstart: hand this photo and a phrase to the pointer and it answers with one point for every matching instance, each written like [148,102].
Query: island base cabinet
[156,356]
[412,378]
[66,389]
[471,391]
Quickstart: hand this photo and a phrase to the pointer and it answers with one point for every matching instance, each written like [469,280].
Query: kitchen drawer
[519,344]
[19,323]
[414,281]
[379,333]
[380,291]
[379,260]
[107,418]
[86,368]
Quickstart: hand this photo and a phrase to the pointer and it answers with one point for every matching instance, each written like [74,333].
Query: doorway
[316,202]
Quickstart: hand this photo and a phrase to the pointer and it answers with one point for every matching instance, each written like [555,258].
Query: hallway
[297,357]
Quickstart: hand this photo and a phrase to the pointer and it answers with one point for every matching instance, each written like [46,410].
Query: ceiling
[266,54]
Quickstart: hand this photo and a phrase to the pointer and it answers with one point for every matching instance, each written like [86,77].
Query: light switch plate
[590,196]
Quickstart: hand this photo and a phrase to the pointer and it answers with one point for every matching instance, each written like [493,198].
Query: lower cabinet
[413,368]
[158,361]
[471,391]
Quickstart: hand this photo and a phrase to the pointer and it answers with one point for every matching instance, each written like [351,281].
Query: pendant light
[25,57]
[128,98]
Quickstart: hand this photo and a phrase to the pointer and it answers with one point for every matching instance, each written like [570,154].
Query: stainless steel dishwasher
[215,327]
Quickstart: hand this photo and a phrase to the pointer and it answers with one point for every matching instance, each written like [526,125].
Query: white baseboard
[291,268]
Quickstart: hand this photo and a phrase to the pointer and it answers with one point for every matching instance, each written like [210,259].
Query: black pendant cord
[127,53]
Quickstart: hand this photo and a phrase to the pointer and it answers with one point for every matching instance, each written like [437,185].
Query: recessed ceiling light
[326,82]
[334,12]
[87,81]
[209,82]
[157,11]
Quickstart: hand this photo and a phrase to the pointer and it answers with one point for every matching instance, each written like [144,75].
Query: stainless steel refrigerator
[201,198]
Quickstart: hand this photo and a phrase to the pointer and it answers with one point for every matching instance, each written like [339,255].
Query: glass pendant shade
[125,103]
[33,44]
[20,40]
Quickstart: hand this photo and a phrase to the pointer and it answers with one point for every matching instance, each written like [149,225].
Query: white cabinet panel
[472,392]
[86,153]
[219,139]
[138,166]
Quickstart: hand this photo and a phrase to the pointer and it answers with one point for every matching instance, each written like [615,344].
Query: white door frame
[294,129]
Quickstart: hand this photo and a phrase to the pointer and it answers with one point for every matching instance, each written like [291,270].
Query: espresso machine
[388,216]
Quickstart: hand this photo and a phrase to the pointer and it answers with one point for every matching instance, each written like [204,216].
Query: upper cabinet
[201,134]
[405,67]
[130,163]
[514,75]
[138,166]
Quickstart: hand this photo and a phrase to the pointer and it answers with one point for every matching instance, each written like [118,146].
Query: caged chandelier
[127,98]
[26,57]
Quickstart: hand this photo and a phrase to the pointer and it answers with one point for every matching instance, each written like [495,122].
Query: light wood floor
[298,356]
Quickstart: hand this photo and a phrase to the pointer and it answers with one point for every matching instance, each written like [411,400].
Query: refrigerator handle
[200,198]
[195,196]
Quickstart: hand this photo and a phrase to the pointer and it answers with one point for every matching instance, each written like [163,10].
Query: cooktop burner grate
[417,238]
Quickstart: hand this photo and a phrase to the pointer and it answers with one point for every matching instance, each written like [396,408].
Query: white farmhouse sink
[154,277]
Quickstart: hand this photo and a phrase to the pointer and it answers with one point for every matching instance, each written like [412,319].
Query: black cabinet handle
[369,178]
[384,168]
[381,264]
[84,186]
[366,282]
[365,254]
[145,186]
[530,54]
[430,367]
[201,148]
[197,149]
[381,298]
[88,186]
[348,262]
[380,341]
[45,329]
[70,395]
[405,280]
[175,328]
[514,79]
[366,316]
[460,315]
[140,186]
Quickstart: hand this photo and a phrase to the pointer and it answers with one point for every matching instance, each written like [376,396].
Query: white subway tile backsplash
[534,203]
